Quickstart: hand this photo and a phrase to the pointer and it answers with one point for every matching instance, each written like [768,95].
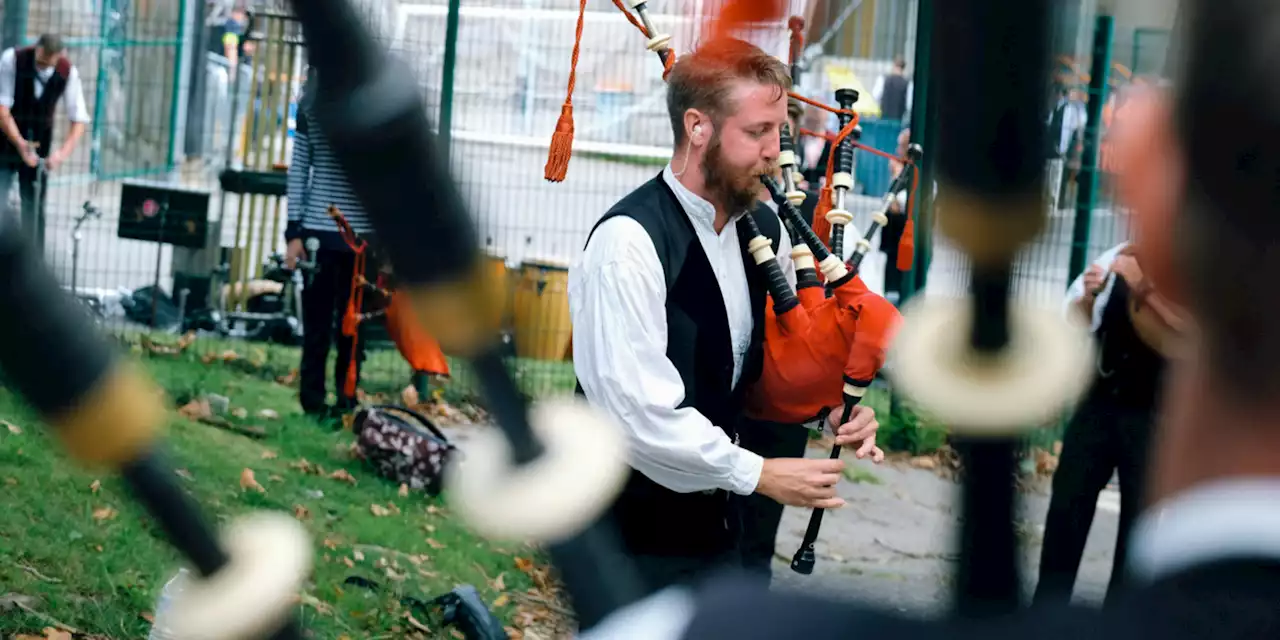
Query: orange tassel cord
[415,345]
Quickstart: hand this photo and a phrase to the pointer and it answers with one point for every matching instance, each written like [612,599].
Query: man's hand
[1126,266]
[293,253]
[1094,279]
[55,160]
[859,431]
[28,152]
[802,482]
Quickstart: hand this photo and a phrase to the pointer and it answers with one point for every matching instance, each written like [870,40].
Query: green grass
[101,575]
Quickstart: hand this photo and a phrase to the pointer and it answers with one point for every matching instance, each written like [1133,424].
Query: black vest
[1129,371]
[893,104]
[650,518]
[34,117]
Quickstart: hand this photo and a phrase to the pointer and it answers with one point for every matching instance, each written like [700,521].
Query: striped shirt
[316,181]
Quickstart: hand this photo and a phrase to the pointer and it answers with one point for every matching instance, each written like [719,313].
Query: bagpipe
[416,346]
[821,349]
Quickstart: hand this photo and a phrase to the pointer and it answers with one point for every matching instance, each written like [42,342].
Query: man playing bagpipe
[668,307]
[1203,180]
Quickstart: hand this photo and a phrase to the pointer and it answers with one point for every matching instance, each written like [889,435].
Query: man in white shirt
[32,82]
[667,313]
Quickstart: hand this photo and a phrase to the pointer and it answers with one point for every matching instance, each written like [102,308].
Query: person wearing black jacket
[1111,428]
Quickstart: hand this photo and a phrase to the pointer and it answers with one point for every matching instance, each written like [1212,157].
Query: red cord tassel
[562,140]
[907,246]
[821,227]
[561,146]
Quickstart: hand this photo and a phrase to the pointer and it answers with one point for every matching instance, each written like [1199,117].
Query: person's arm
[617,300]
[74,106]
[1090,303]
[299,177]
[7,78]
[911,94]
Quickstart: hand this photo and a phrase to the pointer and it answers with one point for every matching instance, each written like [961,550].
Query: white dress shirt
[1076,290]
[1225,519]
[72,98]
[617,301]
[1074,118]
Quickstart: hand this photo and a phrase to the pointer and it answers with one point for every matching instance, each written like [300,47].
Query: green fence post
[913,280]
[1088,179]
[445,129]
[170,159]
[13,32]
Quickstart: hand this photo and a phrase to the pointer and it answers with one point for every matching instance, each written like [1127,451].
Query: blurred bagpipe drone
[826,340]
[990,367]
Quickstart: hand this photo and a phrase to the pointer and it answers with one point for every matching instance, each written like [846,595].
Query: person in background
[1111,428]
[227,39]
[1066,122]
[891,234]
[316,181]
[893,92]
[32,82]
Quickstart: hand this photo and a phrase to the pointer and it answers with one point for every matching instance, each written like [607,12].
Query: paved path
[892,544]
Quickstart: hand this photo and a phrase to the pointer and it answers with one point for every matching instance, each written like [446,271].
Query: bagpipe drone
[821,350]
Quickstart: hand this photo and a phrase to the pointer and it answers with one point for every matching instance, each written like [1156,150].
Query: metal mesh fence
[168,110]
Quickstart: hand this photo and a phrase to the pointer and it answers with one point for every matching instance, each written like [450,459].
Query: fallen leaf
[379,510]
[269,414]
[300,512]
[342,475]
[524,564]
[274,478]
[409,396]
[269,455]
[500,601]
[97,484]
[453,632]
[240,412]
[347,561]
[13,482]
[417,559]
[303,465]
[148,616]
[247,481]
[330,544]
[435,544]
[184,474]
[348,421]
[393,508]
[413,622]
[404,491]
[498,583]
[431,528]
[289,379]
[432,509]
[514,633]
[13,428]
[923,462]
[393,576]
[357,555]
[104,513]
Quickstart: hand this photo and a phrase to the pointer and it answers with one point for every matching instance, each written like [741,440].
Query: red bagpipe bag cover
[810,350]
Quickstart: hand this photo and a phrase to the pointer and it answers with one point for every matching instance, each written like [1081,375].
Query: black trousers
[31,210]
[760,515]
[1104,436]
[324,301]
